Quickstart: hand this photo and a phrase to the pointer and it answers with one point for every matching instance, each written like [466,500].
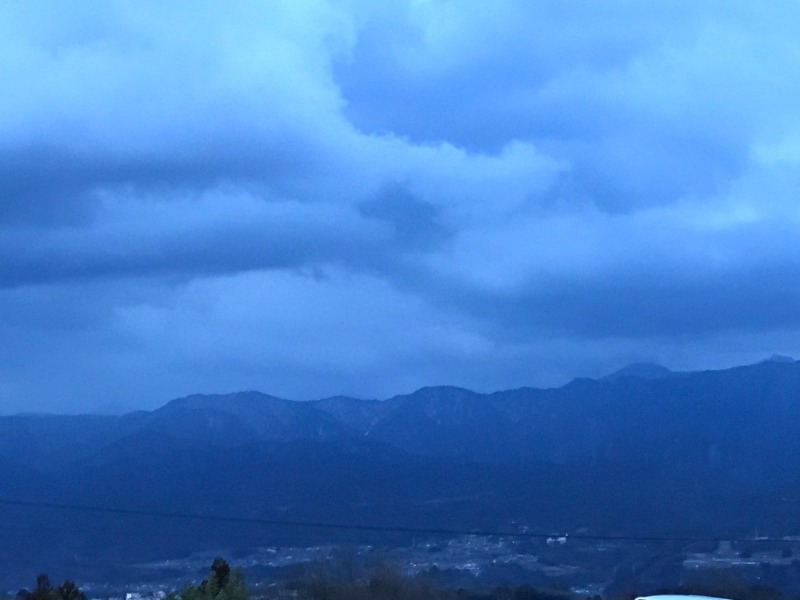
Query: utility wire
[375,528]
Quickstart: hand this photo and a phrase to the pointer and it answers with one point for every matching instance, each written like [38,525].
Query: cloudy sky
[313,198]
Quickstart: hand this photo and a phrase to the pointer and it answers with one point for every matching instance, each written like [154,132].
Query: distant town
[577,567]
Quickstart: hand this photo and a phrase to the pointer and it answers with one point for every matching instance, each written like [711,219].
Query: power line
[376,528]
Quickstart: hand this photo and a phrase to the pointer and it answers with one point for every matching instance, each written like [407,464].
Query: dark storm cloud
[313,198]
[286,237]
[645,102]
[643,304]
[432,70]
[415,222]
[55,184]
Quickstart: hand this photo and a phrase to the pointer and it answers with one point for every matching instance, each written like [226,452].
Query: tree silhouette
[44,590]
[222,583]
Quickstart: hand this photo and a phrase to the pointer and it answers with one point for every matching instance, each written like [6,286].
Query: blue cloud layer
[315,197]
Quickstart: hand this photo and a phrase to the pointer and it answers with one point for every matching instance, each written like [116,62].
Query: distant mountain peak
[439,392]
[642,370]
[446,389]
[205,401]
[779,358]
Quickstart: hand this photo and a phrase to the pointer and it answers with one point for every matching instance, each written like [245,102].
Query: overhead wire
[368,527]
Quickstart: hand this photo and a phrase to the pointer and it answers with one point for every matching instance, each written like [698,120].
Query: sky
[314,198]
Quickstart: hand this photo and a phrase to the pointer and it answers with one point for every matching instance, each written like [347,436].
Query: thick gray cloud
[645,103]
[314,197]
[415,222]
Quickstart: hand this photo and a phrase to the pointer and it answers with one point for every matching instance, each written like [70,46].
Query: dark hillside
[708,453]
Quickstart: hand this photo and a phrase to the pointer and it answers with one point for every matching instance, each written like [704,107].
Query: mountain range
[643,451]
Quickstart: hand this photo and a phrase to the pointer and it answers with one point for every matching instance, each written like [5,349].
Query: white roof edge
[679,597]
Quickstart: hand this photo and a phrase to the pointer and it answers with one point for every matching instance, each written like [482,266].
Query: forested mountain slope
[641,452]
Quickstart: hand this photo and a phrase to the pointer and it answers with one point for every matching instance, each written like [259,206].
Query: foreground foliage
[44,590]
[222,583]
[341,580]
